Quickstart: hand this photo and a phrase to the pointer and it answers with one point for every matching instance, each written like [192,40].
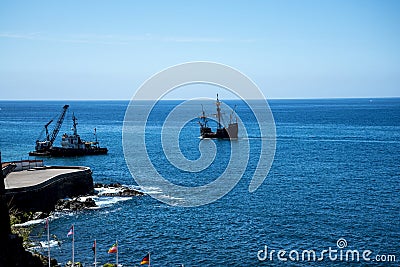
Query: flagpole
[116,242]
[73,240]
[149,258]
[48,239]
[95,248]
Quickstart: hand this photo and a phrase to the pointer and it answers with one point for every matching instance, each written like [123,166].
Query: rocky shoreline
[121,190]
[82,202]
[74,204]
[101,190]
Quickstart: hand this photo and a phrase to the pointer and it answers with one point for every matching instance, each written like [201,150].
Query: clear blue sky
[291,49]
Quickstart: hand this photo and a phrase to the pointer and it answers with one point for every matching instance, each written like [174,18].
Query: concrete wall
[44,196]
[27,164]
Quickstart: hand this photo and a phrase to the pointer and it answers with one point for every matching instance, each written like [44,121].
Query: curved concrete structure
[39,189]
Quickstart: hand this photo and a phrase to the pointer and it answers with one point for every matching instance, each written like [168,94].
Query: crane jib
[58,124]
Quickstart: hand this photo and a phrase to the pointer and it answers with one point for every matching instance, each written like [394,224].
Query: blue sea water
[335,175]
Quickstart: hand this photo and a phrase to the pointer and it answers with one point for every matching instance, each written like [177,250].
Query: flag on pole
[71,231]
[146,259]
[114,248]
[94,246]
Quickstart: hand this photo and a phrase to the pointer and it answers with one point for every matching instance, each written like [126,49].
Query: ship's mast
[95,135]
[203,117]
[74,124]
[218,112]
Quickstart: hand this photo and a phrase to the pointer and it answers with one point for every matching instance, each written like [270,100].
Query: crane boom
[58,125]
[47,130]
[43,146]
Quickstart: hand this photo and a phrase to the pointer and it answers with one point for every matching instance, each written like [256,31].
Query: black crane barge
[71,145]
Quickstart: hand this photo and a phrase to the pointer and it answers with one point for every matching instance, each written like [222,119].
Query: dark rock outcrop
[74,204]
[120,190]
[16,255]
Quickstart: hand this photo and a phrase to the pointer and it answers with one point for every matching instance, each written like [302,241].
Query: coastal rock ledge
[75,204]
[45,186]
[100,190]
[116,190]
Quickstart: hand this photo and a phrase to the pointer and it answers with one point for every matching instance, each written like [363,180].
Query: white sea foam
[109,201]
[151,190]
[29,223]
[44,244]
[101,191]
[171,197]
[107,190]
[83,199]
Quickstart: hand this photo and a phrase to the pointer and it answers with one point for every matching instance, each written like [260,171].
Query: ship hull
[224,133]
[39,154]
[69,152]
[72,152]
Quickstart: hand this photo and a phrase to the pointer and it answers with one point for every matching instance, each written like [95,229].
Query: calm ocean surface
[336,174]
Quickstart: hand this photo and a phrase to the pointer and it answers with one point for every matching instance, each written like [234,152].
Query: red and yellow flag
[146,259]
[114,248]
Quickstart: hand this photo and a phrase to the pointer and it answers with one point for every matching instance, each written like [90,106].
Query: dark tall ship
[71,145]
[230,132]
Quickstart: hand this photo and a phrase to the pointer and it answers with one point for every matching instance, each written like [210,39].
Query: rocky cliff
[12,253]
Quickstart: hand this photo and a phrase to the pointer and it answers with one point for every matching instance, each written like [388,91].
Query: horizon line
[183,99]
